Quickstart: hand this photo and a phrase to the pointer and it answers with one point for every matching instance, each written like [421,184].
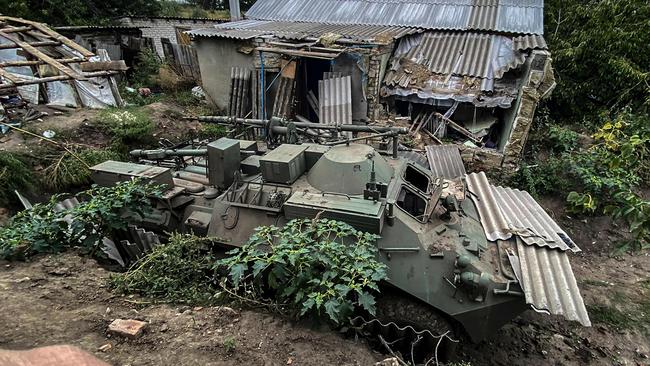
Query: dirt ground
[63,299]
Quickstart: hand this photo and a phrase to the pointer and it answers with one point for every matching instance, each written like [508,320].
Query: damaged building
[469,72]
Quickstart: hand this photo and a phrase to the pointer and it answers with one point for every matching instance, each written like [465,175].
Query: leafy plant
[146,69]
[319,266]
[15,174]
[562,139]
[211,132]
[180,271]
[47,228]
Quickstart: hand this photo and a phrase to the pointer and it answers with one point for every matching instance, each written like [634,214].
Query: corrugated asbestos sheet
[445,161]
[335,100]
[544,271]
[246,29]
[506,212]
[529,42]
[484,56]
[509,16]
[549,283]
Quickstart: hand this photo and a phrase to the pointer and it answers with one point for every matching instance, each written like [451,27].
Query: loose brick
[129,328]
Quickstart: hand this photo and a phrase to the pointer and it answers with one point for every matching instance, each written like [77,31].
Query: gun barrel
[164,154]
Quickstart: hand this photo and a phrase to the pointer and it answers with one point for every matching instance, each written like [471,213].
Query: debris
[49,134]
[105,348]
[128,328]
[198,92]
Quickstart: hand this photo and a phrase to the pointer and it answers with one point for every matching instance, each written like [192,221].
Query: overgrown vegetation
[15,174]
[593,133]
[181,271]
[67,169]
[323,267]
[47,228]
[320,267]
[127,126]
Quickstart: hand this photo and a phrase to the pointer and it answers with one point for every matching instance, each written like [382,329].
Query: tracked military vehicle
[470,256]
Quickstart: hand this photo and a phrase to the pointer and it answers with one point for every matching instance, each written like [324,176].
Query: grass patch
[598,283]
[602,314]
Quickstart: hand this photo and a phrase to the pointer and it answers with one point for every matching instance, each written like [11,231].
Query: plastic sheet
[60,93]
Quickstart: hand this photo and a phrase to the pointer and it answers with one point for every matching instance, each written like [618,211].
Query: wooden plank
[54,78]
[36,63]
[118,65]
[8,46]
[11,77]
[40,55]
[15,29]
[44,29]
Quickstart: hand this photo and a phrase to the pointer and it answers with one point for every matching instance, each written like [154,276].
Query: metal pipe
[341,142]
[317,126]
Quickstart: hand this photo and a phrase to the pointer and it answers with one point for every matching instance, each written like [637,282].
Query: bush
[127,126]
[146,69]
[15,174]
[180,271]
[313,266]
[102,210]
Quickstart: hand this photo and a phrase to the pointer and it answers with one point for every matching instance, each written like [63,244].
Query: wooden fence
[183,59]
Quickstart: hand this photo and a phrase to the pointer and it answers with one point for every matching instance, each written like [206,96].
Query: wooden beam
[48,79]
[16,29]
[41,56]
[11,77]
[36,63]
[118,65]
[46,30]
[33,44]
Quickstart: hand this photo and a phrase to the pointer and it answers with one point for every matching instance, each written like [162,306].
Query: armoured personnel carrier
[470,255]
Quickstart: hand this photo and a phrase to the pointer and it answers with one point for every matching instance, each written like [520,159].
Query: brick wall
[158,28]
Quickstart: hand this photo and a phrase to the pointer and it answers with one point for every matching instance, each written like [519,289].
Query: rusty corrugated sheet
[445,161]
[246,29]
[335,100]
[510,16]
[506,212]
[549,283]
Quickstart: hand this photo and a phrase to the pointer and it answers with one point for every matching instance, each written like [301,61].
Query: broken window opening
[412,203]
[417,179]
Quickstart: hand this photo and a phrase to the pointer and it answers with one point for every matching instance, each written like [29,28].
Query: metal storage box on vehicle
[111,172]
[223,162]
[284,164]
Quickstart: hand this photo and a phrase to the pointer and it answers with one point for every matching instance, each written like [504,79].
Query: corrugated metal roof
[486,56]
[445,161]
[246,29]
[506,212]
[542,264]
[493,15]
[549,283]
[529,42]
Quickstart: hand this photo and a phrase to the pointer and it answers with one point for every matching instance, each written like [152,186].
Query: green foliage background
[592,137]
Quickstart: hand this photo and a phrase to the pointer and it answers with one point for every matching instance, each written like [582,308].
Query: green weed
[602,314]
[180,271]
[229,344]
[127,125]
[65,170]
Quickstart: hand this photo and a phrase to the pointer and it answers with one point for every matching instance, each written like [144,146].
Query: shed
[469,71]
